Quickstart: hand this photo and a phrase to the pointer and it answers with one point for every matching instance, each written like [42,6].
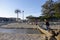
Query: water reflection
[22,31]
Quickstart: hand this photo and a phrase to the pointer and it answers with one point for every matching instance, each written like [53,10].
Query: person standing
[47,24]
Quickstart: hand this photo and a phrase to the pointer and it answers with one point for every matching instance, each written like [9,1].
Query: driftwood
[49,35]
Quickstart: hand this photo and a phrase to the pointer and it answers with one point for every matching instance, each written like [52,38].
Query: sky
[30,7]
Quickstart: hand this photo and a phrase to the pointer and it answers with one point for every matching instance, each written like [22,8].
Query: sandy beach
[18,36]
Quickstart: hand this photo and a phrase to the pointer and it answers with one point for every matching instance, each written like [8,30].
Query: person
[47,24]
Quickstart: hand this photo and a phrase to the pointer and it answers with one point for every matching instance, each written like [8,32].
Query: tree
[23,14]
[32,18]
[17,12]
[50,9]
[57,9]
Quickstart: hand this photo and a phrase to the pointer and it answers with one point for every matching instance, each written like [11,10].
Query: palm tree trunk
[23,15]
[17,16]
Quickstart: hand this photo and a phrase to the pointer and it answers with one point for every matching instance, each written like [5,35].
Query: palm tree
[23,14]
[17,12]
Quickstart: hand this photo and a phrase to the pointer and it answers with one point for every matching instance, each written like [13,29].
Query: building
[4,19]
